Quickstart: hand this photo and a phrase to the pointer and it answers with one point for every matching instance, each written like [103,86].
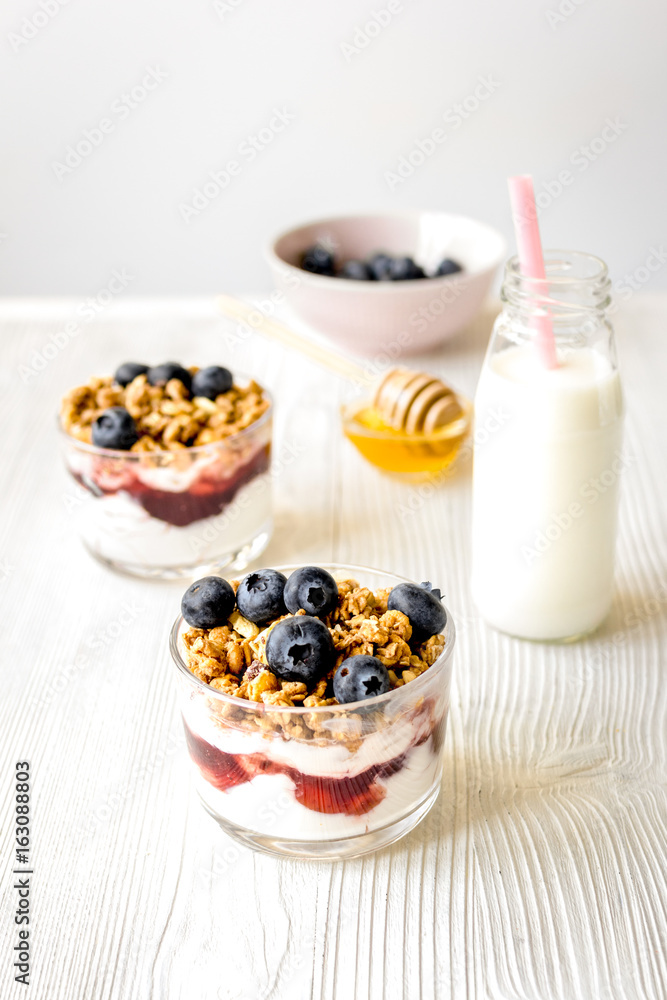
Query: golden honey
[399,452]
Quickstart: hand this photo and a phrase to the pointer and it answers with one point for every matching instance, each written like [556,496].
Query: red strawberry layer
[352,796]
[205,497]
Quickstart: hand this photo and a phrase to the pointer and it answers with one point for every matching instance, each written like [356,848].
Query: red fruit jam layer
[205,497]
[351,796]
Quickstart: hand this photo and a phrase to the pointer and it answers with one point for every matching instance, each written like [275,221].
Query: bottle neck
[575,294]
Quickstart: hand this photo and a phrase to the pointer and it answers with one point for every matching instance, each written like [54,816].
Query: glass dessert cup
[330,782]
[411,456]
[173,514]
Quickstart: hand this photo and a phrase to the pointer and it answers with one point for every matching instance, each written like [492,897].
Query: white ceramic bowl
[399,317]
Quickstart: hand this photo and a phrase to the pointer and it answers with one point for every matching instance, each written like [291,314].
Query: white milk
[545,492]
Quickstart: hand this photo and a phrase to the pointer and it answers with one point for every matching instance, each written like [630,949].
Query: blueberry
[115,428]
[356,270]
[360,677]
[260,595]
[128,372]
[380,266]
[300,649]
[405,269]
[447,266]
[422,606]
[318,260]
[208,602]
[312,589]
[161,374]
[211,382]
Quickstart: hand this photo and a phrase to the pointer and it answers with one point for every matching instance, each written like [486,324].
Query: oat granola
[166,417]
[232,658]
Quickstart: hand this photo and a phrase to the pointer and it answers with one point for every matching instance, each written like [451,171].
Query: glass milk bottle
[545,476]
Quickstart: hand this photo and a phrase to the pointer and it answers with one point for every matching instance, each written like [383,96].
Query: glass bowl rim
[454,429]
[198,449]
[368,703]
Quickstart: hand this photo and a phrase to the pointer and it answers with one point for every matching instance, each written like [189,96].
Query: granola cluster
[167,418]
[232,658]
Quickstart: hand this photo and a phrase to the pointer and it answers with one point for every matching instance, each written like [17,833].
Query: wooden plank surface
[541,872]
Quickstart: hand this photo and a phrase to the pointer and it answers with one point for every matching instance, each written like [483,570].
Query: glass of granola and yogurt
[315,701]
[175,465]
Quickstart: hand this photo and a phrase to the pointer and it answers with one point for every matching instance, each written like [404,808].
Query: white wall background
[560,68]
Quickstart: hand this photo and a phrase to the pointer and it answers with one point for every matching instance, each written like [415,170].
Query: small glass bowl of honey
[414,456]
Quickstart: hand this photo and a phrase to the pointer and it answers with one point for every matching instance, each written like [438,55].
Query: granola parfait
[173,465]
[315,701]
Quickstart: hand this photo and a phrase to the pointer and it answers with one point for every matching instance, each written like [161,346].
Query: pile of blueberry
[301,648]
[116,429]
[380,267]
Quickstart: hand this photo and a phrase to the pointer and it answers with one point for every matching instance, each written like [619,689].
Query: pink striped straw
[531,260]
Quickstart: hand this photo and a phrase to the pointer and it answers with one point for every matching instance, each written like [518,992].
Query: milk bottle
[545,480]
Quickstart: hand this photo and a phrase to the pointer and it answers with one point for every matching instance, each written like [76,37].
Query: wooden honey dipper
[414,402]
[409,401]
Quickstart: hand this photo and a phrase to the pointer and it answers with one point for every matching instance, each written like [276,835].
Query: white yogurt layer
[118,528]
[267,804]
[333,760]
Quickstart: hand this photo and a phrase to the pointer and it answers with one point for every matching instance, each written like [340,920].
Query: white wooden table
[541,872]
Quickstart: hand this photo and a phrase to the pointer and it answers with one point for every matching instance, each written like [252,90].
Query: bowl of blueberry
[399,283]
